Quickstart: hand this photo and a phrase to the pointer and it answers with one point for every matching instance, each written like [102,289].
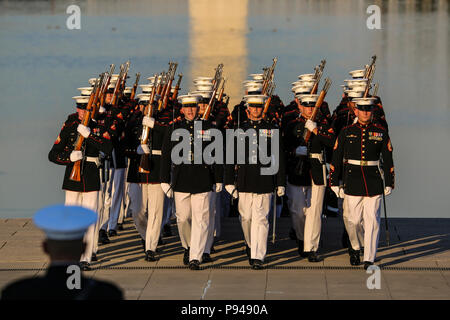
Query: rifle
[104,88]
[269,74]
[216,83]
[218,74]
[221,90]
[133,91]
[123,80]
[115,96]
[171,75]
[317,75]
[177,87]
[271,88]
[370,70]
[375,90]
[144,165]
[75,174]
[307,133]
[323,93]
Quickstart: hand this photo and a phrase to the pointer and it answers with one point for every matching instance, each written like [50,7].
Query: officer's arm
[388,162]
[60,152]
[338,157]
[326,133]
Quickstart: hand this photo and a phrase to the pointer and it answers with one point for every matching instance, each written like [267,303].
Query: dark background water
[42,63]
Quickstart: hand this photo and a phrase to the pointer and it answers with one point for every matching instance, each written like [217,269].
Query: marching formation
[158,155]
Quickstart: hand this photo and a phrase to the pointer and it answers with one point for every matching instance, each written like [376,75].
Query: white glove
[301,151]
[83,130]
[338,191]
[167,189]
[143,148]
[232,190]
[148,122]
[280,191]
[310,125]
[76,155]
[218,187]
[101,109]
[387,191]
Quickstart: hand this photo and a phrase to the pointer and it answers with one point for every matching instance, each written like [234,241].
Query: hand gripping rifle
[144,165]
[306,132]
[370,70]
[318,75]
[177,87]
[75,174]
[103,89]
[269,74]
[133,91]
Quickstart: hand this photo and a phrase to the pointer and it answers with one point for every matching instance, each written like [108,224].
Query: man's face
[190,113]
[202,108]
[108,97]
[363,116]
[81,113]
[306,111]
[255,113]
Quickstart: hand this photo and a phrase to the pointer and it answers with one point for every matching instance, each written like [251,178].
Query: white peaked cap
[81,99]
[255,99]
[203,87]
[127,90]
[85,91]
[364,101]
[257,76]
[301,89]
[306,76]
[146,88]
[189,99]
[203,93]
[354,94]
[307,98]
[357,74]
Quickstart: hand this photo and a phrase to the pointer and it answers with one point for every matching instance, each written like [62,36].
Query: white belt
[318,156]
[96,160]
[156,152]
[363,162]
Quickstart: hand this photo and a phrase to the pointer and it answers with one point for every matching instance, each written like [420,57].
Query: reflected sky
[42,64]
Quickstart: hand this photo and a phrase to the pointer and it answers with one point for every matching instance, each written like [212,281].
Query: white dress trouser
[192,211]
[367,209]
[113,198]
[305,206]
[254,209]
[359,229]
[87,200]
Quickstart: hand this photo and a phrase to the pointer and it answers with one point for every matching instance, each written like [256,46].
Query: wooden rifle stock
[75,174]
[177,87]
[101,99]
[269,76]
[211,101]
[222,90]
[115,96]
[271,88]
[133,91]
[165,98]
[323,93]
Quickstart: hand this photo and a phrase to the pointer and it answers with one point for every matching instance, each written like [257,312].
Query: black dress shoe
[257,264]
[206,257]
[345,240]
[212,250]
[94,257]
[354,257]
[186,257]
[292,234]
[250,261]
[312,257]
[120,226]
[194,265]
[112,233]
[367,264]
[301,251]
[84,265]
[150,256]
[167,231]
[103,237]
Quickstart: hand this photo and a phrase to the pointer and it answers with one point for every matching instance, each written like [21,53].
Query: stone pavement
[416,265]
